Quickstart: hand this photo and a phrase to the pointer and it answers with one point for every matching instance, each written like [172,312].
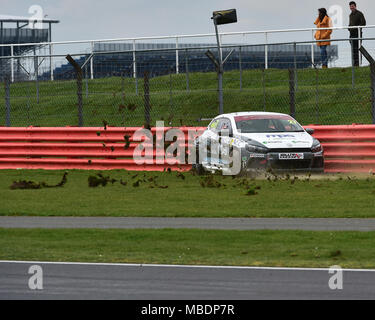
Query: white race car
[260,141]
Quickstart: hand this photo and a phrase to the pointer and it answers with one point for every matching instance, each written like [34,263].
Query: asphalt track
[313,224]
[145,282]
[137,282]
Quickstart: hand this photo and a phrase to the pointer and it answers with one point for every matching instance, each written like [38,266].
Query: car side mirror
[310,131]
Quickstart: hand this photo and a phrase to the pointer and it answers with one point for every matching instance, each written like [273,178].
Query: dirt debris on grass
[25,185]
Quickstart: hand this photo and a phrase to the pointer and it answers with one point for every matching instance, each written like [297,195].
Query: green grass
[323,197]
[326,97]
[201,247]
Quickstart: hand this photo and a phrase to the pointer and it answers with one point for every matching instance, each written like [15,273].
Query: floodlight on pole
[219,18]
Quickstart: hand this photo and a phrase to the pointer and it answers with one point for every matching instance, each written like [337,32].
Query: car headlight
[317,147]
[250,147]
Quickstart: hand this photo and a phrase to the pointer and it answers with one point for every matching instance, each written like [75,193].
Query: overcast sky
[94,19]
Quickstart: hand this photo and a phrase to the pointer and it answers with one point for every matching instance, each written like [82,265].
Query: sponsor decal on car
[291,156]
[272,142]
[257,155]
[306,142]
[281,136]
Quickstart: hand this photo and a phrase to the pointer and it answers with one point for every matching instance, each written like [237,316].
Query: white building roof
[8,18]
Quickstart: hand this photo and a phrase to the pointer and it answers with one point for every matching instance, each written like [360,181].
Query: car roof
[255,113]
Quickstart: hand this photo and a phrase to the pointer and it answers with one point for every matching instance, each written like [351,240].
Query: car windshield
[267,124]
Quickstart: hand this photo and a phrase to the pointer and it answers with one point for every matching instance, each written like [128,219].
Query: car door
[209,141]
[225,134]
[213,147]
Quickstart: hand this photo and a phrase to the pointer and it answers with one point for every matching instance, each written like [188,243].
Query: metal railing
[289,85]
[177,39]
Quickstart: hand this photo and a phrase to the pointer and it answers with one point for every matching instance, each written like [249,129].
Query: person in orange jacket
[323,21]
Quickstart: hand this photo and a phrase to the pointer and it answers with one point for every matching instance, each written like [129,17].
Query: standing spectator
[356,19]
[323,21]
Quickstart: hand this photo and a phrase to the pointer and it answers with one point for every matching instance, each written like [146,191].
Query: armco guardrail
[76,148]
[348,148]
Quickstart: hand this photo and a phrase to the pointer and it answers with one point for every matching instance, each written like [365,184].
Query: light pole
[219,18]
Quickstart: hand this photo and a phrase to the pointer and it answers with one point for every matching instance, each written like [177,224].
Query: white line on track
[180,266]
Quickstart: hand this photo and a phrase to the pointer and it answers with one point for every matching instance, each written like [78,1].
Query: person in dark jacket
[356,19]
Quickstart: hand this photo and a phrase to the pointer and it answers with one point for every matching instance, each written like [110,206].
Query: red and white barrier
[348,148]
[78,148]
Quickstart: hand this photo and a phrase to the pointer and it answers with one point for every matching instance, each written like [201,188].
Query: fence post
[134,61]
[51,61]
[29,89]
[36,73]
[12,62]
[292,95]
[79,75]
[360,45]
[7,100]
[317,95]
[353,68]
[312,51]
[123,87]
[187,71]
[372,68]
[92,61]
[147,100]
[135,74]
[170,91]
[86,82]
[240,65]
[295,66]
[266,52]
[264,89]
[177,58]
[220,90]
